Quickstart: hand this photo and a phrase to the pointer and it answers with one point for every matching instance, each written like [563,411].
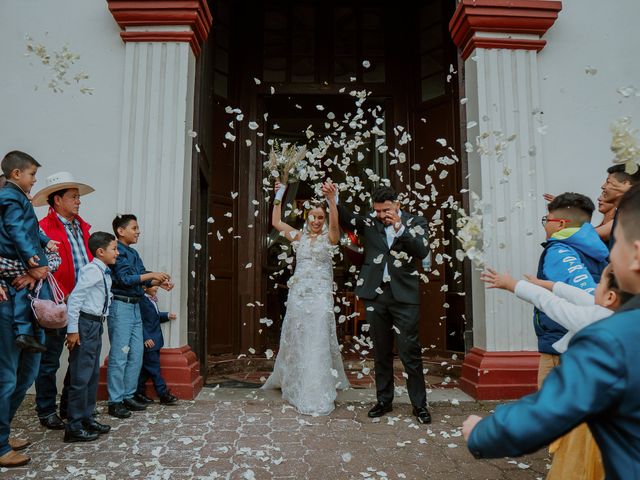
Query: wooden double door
[304,54]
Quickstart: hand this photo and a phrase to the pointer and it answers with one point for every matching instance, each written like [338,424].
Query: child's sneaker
[168,399]
[142,398]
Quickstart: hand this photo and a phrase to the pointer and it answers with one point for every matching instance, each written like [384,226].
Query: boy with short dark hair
[124,322]
[573,254]
[152,317]
[597,381]
[21,239]
[88,306]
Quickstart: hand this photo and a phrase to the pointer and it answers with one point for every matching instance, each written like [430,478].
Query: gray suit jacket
[403,258]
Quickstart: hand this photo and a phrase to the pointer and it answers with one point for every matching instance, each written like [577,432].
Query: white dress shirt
[89,294]
[391,236]
[571,307]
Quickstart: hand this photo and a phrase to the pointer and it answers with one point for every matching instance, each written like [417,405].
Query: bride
[308,367]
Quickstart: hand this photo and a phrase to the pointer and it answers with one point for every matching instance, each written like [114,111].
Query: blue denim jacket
[20,235]
[126,273]
[597,382]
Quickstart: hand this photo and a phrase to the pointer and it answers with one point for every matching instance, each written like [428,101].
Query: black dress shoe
[379,409]
[132,405]
[71,436]
[52,422]
[142,398]
[168,399]
[30,344]
[422,414]
[97,427]
[118,410]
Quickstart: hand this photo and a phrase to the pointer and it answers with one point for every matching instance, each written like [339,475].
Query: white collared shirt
[89,293]
[391,236]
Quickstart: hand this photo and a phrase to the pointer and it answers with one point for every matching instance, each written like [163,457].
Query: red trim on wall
[179,368]
[140,13]
[499,375]
[533,17]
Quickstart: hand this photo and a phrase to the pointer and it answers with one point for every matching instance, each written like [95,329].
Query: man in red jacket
[64,225]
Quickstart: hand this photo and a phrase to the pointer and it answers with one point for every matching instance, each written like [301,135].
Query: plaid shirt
[76,241]
[10,269]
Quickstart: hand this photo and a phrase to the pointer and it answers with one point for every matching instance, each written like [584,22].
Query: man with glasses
[574,254]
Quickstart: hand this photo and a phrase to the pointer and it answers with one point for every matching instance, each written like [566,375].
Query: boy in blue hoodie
[573,254]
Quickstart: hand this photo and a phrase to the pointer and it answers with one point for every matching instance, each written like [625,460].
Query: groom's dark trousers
[383,314]
[392,303]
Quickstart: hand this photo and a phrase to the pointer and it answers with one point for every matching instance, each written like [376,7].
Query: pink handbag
[50,313]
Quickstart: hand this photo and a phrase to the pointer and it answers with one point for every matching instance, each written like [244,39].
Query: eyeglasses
[546,220]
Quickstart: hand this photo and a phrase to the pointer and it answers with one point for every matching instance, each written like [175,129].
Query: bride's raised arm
[330,192]
[287,230]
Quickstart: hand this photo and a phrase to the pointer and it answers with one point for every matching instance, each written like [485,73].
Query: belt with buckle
[122,298]
[90,316]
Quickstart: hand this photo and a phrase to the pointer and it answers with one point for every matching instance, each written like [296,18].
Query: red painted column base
[179,368]
[499,375]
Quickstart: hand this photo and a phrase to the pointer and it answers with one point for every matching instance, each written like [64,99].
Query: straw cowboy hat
[56,182]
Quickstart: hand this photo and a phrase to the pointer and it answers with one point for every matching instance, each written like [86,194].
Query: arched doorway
[305,53]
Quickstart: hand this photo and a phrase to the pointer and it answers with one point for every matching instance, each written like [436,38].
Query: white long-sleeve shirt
[571,307]
[89,293]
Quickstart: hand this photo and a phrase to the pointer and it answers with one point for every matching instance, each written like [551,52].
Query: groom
[394,244]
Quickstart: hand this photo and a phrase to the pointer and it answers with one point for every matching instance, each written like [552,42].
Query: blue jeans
[23,321]
[18,370]
[125,354]
[46,389]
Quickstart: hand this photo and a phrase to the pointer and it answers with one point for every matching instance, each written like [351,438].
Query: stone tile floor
[356,379]
[247,434]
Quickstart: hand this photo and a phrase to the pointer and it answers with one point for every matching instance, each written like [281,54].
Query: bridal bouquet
[470,232]
[287,162]
[624,145]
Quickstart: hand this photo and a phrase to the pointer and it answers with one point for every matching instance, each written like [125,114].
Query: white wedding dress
[308,367]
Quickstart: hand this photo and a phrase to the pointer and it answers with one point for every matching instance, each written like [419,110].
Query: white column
[155,163]
[503,96]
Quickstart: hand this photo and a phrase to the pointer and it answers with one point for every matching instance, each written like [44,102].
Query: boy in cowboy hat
[63,224]
[21,239]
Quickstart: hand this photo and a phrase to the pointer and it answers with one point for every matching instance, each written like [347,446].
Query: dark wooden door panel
[221,293]
[220,332]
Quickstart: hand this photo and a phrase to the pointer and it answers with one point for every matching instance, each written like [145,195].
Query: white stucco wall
[68,131]
[574,136]
[85,134]
[579,107]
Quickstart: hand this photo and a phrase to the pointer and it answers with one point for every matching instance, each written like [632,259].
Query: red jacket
[54,229]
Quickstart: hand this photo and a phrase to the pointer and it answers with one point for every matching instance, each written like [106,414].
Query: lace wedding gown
[308,366]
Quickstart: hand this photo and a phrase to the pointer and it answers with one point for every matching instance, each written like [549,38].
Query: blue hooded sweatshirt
[577,257]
